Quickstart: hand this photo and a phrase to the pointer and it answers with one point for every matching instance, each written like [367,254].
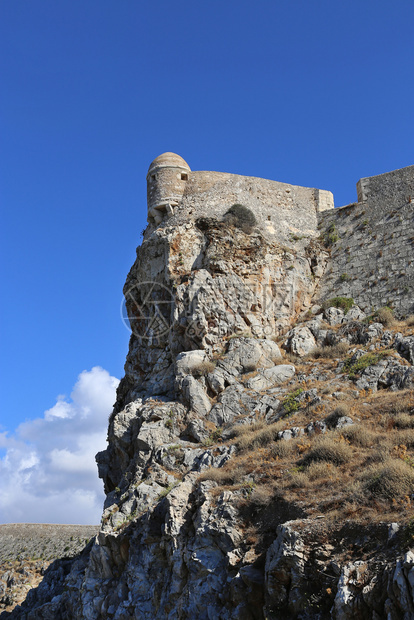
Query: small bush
[326,449]
[241,217]
[385,316]
[403,420]
[345,303]
[340,412]
[331,236]
[259,438]
[392,480]
[320,469]
[203,369]
[358,435]
[290,403]
[282,449]
[330,352]
[369,359]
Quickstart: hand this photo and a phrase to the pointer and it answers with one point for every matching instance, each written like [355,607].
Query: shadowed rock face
[240,477]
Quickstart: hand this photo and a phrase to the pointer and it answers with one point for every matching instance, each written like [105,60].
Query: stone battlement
[175,191]
[372,258]
[371,254]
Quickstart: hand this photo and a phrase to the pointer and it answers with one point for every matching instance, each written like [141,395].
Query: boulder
[188,362]
[195,396]
[354,314]
[300,341]
[405,347]
[271,376]
[333,316]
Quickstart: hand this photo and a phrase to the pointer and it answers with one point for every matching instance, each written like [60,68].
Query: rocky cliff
[260,452]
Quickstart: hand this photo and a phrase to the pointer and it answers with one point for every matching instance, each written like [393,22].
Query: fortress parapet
[387,190]
[174,191]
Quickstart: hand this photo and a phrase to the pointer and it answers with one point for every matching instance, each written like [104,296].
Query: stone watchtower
[166,181]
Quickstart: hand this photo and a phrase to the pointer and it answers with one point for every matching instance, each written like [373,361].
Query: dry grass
[258,438]
[203,369]
[321,470]
[297,480]
[339,412]
[406,438]
[282,449]
[262,495]
[385,316]
[391,403]
[244,429]
[409,321]
[392,480]
[403,420]
[329,352]
[224,475]
[359,435]
[362,471]
[378,455]
[328,449]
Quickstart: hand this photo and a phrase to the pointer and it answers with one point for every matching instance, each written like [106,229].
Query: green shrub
[369,359]
[331,235]
[242,217]
[290,403]
[345,303]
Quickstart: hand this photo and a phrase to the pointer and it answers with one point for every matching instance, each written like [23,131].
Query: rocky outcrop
[239,476]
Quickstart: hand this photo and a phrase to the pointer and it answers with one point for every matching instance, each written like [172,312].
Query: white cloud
[48,473]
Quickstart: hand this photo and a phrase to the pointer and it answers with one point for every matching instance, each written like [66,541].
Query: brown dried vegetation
[365,470]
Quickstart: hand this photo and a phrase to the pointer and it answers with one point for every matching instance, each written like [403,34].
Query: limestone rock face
[195,285]
[205,517]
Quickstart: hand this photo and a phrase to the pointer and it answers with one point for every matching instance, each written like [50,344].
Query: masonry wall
[373,258]
[280,209]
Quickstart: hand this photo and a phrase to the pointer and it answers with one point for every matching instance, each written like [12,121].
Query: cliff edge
[261,449]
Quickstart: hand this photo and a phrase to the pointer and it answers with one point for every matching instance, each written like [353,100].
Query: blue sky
[313,93]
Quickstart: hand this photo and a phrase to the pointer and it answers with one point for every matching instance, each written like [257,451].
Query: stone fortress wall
[177,194]
[371,242]
[372,258]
